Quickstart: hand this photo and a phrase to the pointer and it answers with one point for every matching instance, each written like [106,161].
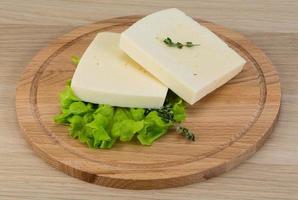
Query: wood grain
[233,121]
[272,25]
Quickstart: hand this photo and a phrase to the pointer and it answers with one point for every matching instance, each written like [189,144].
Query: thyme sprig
[167,114]
[168,41]
[185,133]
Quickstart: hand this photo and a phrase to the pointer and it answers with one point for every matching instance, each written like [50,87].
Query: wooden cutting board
[230,124]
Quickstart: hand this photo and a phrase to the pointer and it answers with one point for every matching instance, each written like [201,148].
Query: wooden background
[272,173]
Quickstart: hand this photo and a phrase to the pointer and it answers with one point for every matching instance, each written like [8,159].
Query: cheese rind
[106,75]
[191,72]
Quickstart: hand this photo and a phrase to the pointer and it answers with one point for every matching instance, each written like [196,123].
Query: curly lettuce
[101,126]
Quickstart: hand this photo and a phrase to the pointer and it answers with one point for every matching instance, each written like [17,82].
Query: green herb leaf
[179,45]
[190,44]
[168,41]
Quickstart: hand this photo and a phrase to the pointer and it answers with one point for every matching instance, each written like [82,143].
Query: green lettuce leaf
[99,135]
[154,128]
[120,115]
[100,126]
[107,144]
[86,138]
[105,110]
[67,97]
[76,125]
[137,113]
[126,129]
[88,117]
[78,108]
[179,111]
[62,118]
[99,121]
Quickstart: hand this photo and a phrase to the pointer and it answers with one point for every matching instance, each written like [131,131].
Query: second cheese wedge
[191,72]
[106,75]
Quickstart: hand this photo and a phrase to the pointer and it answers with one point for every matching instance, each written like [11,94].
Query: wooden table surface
[27,26]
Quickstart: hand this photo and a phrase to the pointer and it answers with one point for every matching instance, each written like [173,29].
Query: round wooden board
[230,124]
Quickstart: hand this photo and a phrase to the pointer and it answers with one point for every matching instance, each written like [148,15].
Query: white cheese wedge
[106,75]
[191,72]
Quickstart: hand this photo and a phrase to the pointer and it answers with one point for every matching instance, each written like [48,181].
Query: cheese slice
[191,72]
[106,75]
